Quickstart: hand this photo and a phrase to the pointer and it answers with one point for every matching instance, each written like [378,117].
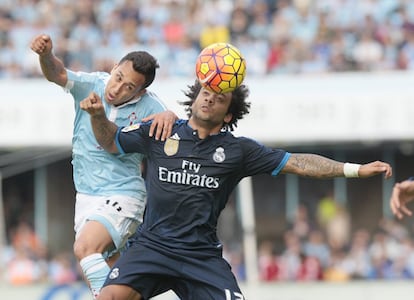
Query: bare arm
[52,67]
[317,166]
[103,129]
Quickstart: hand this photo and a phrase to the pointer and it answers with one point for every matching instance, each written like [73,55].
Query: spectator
[358,255]
[25,240]
[23,269]
[367,53]
[317,247]
[301,224]
[268,264]
[62,270]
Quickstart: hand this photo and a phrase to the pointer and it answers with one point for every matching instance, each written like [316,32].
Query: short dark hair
[238,106]
[143,63]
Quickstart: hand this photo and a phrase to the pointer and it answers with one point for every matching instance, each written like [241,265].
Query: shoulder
[87,77]
[151,101]
[86,81]
[242,141]
[250,146]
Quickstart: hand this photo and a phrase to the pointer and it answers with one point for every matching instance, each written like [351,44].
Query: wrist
[46,55]
[98,115]
[351,170]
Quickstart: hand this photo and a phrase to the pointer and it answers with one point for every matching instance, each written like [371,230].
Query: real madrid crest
[114,273]
[171,146]
[219,155]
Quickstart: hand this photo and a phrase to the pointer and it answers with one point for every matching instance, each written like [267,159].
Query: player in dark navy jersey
[189,179]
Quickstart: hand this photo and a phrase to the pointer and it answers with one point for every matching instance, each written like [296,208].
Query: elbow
[110,148]
[61,79]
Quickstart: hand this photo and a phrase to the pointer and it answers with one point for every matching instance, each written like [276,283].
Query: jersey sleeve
[261,159]
[133,139]
[80,84]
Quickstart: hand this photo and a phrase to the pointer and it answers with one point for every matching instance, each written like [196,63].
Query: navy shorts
[153,272]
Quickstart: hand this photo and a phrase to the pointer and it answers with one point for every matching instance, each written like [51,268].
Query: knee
[80,249]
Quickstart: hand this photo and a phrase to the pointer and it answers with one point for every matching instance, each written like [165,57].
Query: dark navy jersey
[189,181]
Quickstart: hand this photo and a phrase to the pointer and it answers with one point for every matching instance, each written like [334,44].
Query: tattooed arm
[52,67]
[103,129]
[317,166]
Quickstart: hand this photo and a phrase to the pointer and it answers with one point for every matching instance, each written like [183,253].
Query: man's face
[124,84]
[211,107]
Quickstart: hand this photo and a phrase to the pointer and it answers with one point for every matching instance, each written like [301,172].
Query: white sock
[95,269]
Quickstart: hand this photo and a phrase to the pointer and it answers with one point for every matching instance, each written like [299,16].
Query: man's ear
[228,117]
[140,93]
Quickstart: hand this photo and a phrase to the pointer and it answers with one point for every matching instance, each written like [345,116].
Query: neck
[203,128]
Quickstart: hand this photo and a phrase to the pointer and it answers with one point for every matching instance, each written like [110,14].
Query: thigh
[143,270]
[118,292]
[195,290]
[209,278]
[120,215]
[84,207]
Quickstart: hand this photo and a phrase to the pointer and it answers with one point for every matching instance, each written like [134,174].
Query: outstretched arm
[317,166]
[103,129]
[402,193]
[52,67]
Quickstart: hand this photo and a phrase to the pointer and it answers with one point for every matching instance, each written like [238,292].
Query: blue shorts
[152,272]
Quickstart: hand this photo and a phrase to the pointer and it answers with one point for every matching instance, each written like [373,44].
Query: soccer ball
[220,68]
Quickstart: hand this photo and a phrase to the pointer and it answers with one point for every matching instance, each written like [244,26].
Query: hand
[402,193]
[162,123]
[93,105]
[375,168]
[42,45]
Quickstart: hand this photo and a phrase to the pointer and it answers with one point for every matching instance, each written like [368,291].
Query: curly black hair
[238,106]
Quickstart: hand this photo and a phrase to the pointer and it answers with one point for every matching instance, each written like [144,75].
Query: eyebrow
[129,83]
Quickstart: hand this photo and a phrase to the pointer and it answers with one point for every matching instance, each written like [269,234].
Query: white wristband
[351,170]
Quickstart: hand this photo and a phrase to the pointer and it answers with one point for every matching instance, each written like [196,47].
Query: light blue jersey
[95,171]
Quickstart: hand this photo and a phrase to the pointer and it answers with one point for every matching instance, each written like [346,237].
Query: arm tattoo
[104,131]
[51,67]
[313,165]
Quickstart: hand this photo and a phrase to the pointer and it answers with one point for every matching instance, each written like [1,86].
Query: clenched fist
[93,105]
[42,45]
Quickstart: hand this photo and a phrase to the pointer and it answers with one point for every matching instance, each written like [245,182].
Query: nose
[117,88]
[210,98]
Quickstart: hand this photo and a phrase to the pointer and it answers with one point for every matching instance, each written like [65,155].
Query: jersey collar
[133,101]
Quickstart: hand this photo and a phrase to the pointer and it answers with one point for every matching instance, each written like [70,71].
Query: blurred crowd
[325,247]
[26,260]
[275,36]
[316,247]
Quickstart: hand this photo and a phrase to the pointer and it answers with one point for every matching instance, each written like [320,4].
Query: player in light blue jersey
[111,194]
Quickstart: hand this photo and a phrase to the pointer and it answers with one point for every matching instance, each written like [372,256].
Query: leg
[102,228]
[94,238]
[211,278]
[118,292]
[111,260]
[89,245]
